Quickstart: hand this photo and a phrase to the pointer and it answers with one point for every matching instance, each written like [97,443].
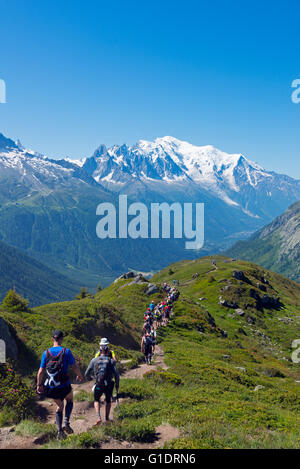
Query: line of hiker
[155,317]
[57,385]
[53,380]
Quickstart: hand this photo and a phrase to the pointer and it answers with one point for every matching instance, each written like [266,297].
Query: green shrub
[16,398]
[33,428]
[163,377]
[135,389]
[132,430]
[83,440]
[82,396]
[138,409]
[8,417]
[273,373]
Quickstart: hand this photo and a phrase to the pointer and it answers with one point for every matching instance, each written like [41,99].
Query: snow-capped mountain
[231,178]
[36,171]
[48,207]
[168,159]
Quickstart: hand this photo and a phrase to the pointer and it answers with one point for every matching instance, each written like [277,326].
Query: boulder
[128,275]
[210,319]
[259,387]
[11,346]
[239,312]
[270,302]
[151,289]
[227,304]
[239,275]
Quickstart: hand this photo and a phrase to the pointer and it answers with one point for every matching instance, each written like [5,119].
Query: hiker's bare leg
[59,405]
[59,414]
[97,410]
[69,397]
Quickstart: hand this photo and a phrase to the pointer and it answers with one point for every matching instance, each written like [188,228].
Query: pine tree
[83,294]
[14,302]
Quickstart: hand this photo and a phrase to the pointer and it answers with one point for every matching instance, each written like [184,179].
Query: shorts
[58,393]
[107,390]
[147,351]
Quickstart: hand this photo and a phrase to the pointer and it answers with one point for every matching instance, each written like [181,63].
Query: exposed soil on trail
[195,278]
[83,416]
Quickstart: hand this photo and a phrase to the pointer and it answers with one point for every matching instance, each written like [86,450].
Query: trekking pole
[118,404]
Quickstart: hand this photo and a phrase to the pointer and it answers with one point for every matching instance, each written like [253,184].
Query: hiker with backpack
[153,338]
[104,369]
[55,363]
[146,328]
[111,353]
[147,347]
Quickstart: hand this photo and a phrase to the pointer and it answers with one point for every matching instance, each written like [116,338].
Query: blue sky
[81,73]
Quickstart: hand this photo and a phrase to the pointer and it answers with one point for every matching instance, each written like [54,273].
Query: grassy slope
[216,405]
[116,313]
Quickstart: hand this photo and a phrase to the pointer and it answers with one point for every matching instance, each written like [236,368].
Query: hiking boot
[98,423]
[68,429]
[60,435]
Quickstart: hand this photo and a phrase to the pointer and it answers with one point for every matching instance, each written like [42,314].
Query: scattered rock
[270,302]
[202,298]
[261,287]
[239,275]
[239,312]
[151,289]
[250,319]
[226,357]
[227,304]
[210,319]
[241,368]
[128,275]
[259,387]
[242,331]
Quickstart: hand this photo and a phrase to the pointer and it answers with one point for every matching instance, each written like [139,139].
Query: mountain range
[48,207]
[276,246]
[32,279]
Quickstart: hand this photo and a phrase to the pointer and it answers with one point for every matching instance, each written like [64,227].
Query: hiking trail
[83,416]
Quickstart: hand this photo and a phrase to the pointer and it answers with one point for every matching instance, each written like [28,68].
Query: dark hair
[57,335]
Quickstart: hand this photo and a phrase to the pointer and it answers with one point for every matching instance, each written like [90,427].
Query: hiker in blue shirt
[57,386]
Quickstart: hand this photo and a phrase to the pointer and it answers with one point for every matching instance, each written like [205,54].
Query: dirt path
[195,278]
[83,416]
